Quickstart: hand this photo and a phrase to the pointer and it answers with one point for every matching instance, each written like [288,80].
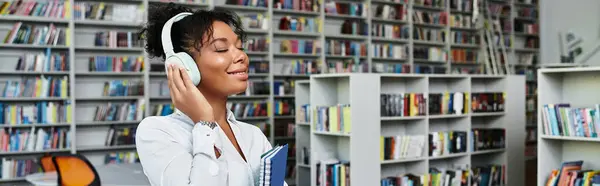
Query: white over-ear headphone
[181,59]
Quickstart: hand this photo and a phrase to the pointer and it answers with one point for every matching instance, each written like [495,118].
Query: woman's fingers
[172,88]
[186,79]
[177,80]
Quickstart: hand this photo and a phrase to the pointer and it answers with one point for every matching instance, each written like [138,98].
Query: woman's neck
[219,106]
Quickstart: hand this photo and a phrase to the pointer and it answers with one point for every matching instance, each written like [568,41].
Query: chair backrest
[75,169]
[47,164]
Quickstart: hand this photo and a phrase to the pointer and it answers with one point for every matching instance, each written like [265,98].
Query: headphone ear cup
[190,65]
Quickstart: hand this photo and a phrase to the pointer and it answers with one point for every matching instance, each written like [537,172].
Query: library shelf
[105,123]
[105,148]
[22,153]
[34,19]
[7,125]
[363,91]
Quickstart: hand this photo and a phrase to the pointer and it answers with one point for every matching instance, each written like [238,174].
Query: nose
[240,56]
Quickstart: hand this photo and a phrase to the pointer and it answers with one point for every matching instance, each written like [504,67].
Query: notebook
[272,166]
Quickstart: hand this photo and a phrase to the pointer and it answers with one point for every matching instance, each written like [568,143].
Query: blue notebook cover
[278,165]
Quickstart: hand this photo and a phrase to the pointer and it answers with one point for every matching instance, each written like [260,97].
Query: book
[273,166]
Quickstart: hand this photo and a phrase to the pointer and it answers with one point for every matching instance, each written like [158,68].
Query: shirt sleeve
[267,146]
[168,161]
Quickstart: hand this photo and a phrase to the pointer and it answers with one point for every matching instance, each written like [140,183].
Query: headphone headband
[166,33]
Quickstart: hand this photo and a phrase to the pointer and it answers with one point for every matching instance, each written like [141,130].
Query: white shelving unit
[362,145]
[577,86]
[302,92]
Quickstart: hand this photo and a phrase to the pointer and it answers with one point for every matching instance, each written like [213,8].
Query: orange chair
[47,164]
[75,170]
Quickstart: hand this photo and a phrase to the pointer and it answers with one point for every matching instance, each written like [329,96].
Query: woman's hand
[186,97]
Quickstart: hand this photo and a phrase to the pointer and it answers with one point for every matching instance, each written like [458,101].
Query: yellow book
[381,148]
[13,114]
[67,7]
[68,37]
[3,10]
[269,108]
[347,120]
[343,175]
[63,87]
[466,102]
[69,113]
[445,100]
[333,119]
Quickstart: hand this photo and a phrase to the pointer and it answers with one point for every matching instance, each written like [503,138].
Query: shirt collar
[230,117]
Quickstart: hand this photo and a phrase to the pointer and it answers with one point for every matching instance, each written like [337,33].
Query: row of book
[430,53]
[43,62]
[248,109]
[563,120]
[333,172]
[300,24]
[571,173]
[354,27]
[527,12]
[256,45]
[18,168]
[108,12]
[431,3]
[461,5]
[50,9]
[466,70]
[130,111]
[528,28]
[463,56]
[429,69]
[345,48]
[391,68]
[163,109]
[404,104]
[447,142]
[401,147]
[121,158]
[253,3]
[389,51]
[461,21]
[116,63]
[257,87]
[390,31]
[463,37]
[120,136]
[283,87]
[431,35]
[300,66]
[36,113]
[346,8]
[335,119]
[304,114]
[298,5]
[123,88]
[25,140]
[37,35]
[285,130]
[390,12]
[258,67]
[283,107]
[426,17]
[255,21]
[40,86]
[487,139]
[300,46]
[117,39]
[347,66]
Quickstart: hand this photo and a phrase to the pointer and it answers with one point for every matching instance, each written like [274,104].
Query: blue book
[273,165]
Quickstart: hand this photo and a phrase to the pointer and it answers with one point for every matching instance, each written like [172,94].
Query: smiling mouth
[236,73]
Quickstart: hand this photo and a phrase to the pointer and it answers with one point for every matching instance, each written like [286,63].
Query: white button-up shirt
[174,151]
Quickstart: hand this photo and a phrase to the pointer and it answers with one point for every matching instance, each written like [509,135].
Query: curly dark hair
[189,31]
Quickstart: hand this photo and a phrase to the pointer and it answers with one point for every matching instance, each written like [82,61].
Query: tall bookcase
[85,87]
[361,146]
[302,92]
[577,87]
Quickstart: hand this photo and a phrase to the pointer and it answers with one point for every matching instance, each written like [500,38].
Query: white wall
[579,16]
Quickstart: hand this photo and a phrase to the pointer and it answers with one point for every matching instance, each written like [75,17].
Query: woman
[201,143]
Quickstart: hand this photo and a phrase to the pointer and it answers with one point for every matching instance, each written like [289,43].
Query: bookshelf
[574,86]
[79,46]
[359,146]
[302,96]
